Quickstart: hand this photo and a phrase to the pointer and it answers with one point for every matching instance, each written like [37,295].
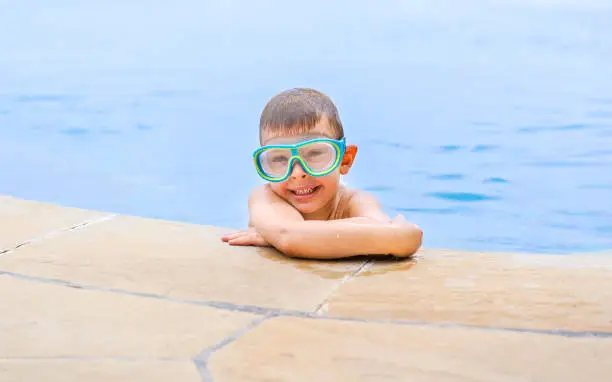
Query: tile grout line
[57,232]
[322,307]
[201,360]
[208,303]
[94,358]
[457,325]
[266,312]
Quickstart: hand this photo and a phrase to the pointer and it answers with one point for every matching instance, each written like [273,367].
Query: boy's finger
[233,235]
[227,237]
[243,240]
[399,219]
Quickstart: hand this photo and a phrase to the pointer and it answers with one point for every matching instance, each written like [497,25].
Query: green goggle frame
[339,146]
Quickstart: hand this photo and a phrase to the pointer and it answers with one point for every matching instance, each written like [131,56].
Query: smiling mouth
[306,191]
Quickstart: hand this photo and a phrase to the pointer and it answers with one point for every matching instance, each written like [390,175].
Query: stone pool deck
[93,296]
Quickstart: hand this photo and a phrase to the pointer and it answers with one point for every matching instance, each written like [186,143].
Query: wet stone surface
[125,298]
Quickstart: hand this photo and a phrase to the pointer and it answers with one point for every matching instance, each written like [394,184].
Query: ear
[348,159]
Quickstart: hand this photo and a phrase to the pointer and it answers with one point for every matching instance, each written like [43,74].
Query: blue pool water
[488,123]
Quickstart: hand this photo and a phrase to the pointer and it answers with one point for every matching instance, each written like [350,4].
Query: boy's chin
[308,206]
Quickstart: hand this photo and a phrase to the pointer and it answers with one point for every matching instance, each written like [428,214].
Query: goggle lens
[317,156]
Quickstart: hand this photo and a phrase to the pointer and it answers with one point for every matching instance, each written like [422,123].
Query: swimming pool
[487,123]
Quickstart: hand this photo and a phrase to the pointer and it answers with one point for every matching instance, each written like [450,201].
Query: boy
[303,210]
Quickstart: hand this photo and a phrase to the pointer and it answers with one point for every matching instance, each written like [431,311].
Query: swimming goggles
[318,157]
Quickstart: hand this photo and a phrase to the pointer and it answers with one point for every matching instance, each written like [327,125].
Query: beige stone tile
[97,371]
[45,320]
[499,290]
[297,349]
[179,260]
[22,220]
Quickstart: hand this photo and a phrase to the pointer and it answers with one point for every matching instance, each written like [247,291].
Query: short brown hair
[299,110]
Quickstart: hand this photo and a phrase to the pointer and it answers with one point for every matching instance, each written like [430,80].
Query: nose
[297,171]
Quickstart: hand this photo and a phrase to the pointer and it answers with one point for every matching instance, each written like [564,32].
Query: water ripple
[600,114]
[75,131]
[396,145]
[601,101]
[483,123]
[589,214]
[566,226]
[45,98]
[574,126]
[596,187]
[594,153]
[481,148]
[435,211]
[447,176]
[173,93]
[377,188]
[476,148]
[495,180]
[566,163]
[605,229]
[449,148]
[462,196]
[143,127]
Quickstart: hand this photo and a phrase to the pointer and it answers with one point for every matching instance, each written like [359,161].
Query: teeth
[304,191]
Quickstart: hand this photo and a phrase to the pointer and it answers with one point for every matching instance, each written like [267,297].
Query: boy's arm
[283,227]
[267,211]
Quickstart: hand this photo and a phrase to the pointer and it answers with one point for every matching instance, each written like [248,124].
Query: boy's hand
[245,237]
[400,220]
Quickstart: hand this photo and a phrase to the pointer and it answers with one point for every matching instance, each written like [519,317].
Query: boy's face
[309,194]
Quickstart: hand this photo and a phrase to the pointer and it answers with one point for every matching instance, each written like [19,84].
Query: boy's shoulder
[350,202]
[355,203]
[360,203]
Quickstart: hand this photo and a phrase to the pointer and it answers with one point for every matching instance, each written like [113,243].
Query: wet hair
[297,111]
